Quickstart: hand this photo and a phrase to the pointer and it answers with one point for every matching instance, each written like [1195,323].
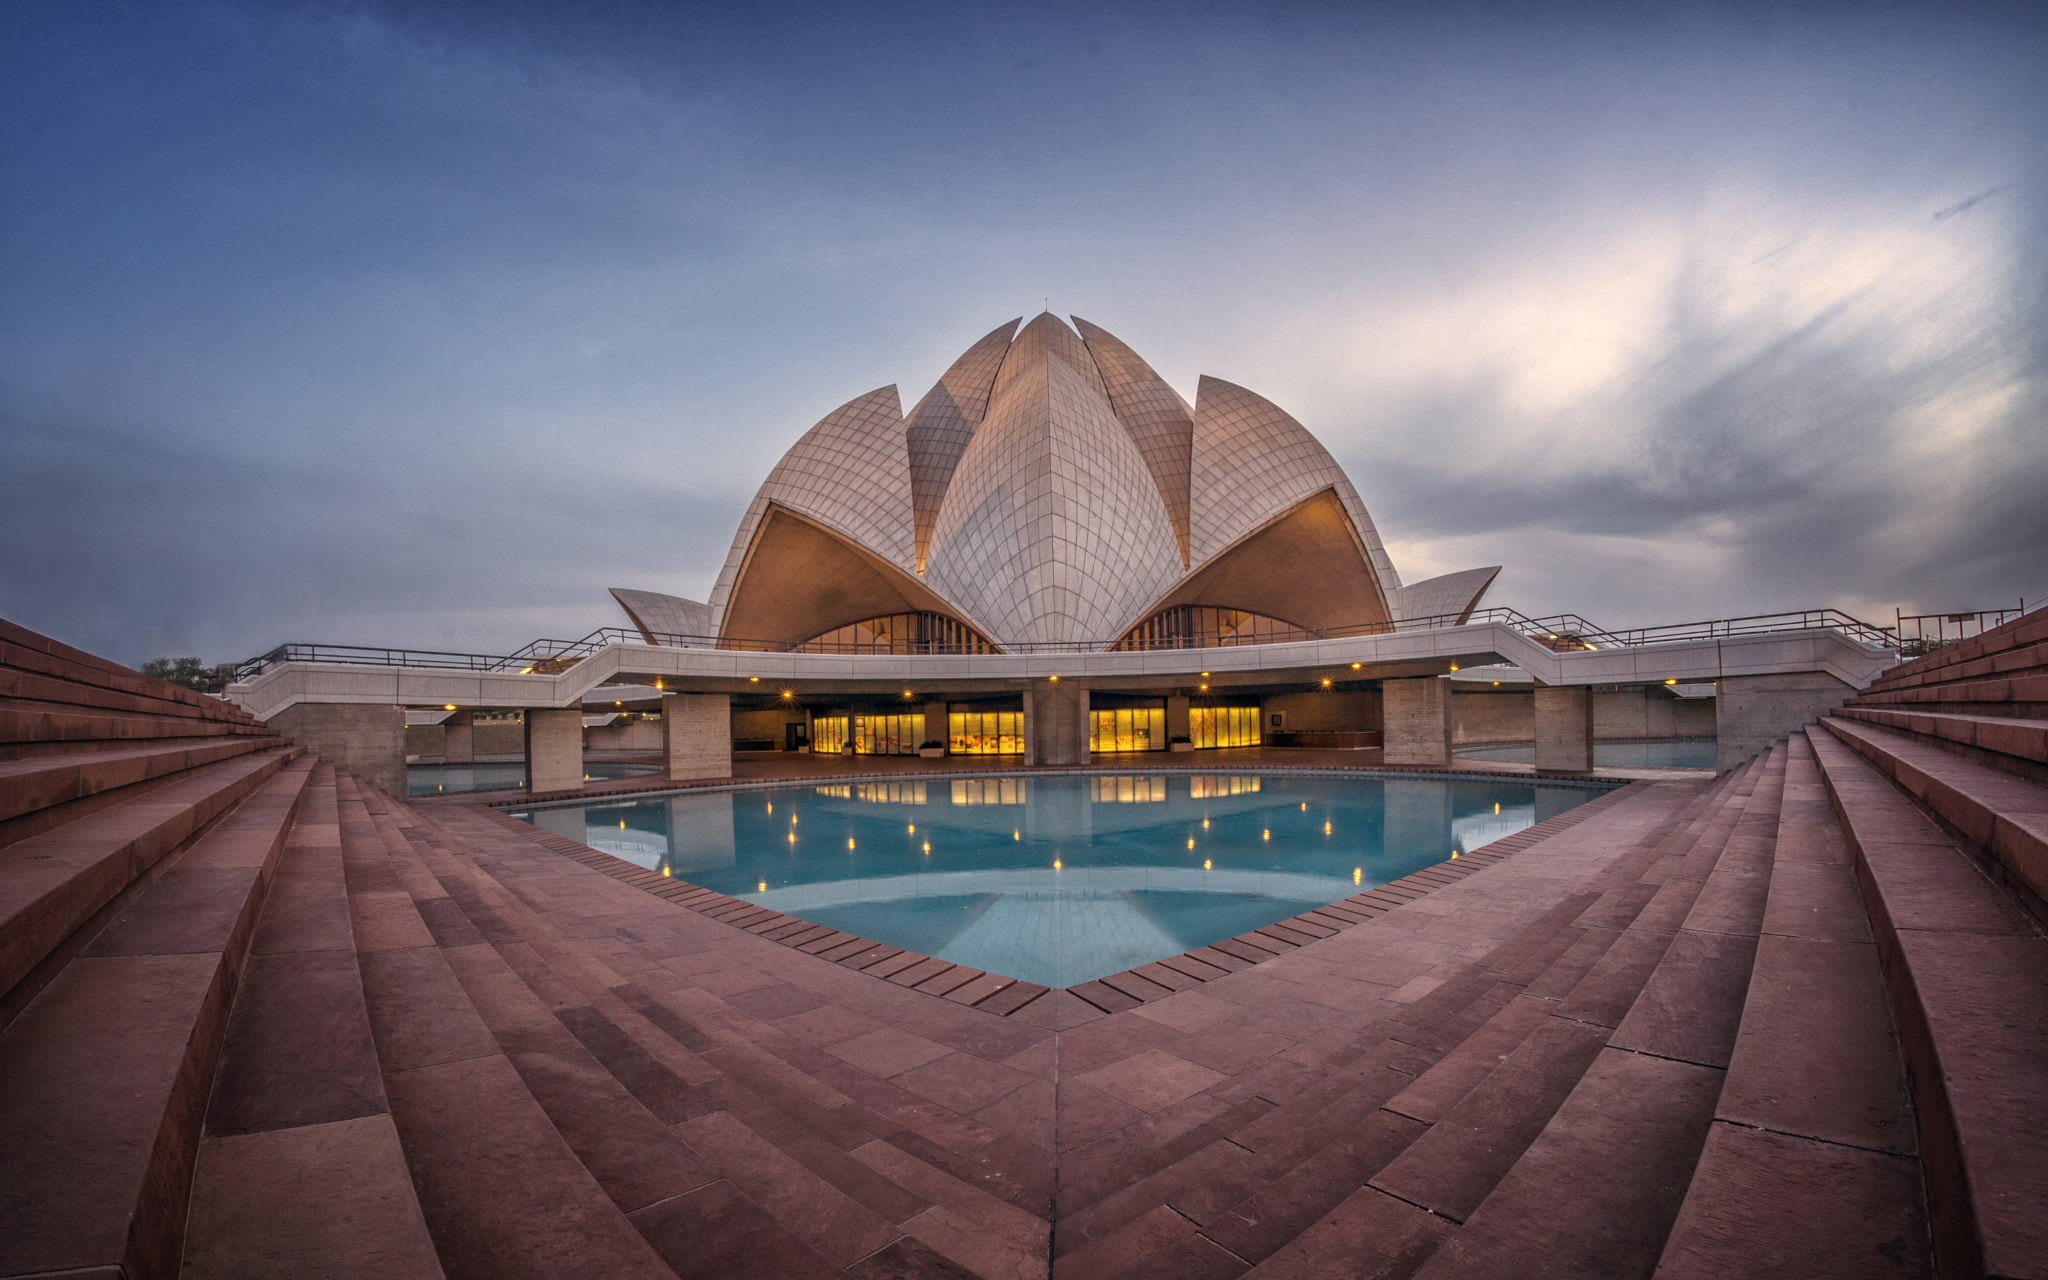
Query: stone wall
[768,725]
[1509,715]
[1753,711]
[633,735]
[1643,713]
[1492,716]
[367,741]
[1358,710]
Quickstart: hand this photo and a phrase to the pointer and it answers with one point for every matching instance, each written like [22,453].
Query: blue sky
[422,324]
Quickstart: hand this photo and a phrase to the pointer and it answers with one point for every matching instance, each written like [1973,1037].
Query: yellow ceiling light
[449,707]
[1052,678]
[753,679]
[1454,666]
[1356,665]
[1671,682]
[1326,684]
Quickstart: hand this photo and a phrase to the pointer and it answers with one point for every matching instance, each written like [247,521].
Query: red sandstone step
[1967,977]
[49,782]
[139,695]
[301,1167]
[1810,1168]
[30,729]
[780,1138]
[2000,818]
[501,1191]
[1495,1159]
[1287,1169]
[2007,743]
[54,883]
[2025,694]
[103,1080]
[611,1125]
[2018,634]
[1598,1188]
[24,651]
[780,1129]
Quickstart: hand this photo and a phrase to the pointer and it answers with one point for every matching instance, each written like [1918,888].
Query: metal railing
[1923,633]
[1563,632]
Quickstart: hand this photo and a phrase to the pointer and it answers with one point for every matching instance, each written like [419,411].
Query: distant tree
[189,672]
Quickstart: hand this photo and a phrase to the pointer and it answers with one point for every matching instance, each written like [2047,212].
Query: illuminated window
[1127,729]
[1224,726]
[888,735]
[828,734]
[986,733]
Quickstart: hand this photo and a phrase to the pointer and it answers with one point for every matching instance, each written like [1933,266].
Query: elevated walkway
[1792,1021]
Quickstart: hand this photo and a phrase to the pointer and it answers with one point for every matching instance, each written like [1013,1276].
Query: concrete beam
[1399,655]
[554,749]
[366,741]
[1751,712]
[1417,715]
[696,735]
[1564,730]
[1056,722]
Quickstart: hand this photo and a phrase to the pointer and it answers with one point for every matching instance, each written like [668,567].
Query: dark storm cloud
[422,324]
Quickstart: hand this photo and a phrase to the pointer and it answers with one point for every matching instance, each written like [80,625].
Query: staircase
[263,1019]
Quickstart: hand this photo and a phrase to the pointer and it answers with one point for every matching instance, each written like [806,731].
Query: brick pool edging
[1001,995]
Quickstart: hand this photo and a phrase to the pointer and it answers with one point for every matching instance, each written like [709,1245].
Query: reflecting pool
[1058,880]
[496,775]
[1629,753]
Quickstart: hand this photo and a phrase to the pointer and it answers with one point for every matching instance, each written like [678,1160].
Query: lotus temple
[1062,844]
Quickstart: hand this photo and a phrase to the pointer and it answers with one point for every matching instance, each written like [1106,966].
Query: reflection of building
[1052,490]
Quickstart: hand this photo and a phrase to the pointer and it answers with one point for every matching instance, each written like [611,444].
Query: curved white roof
[1052,487]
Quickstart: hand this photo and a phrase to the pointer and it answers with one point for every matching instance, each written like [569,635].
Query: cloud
[1945,214]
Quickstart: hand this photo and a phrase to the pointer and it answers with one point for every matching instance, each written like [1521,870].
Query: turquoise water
[1640,753]
[1058,880]
[440,779]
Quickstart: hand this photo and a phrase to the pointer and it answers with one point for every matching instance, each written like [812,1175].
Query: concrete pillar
[1176,718]
[460,742]
[554,749]
[368,742]
[1418,721]
[696,735]
[1564,730]
[1750,712]
[935,723]
[1056,722]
